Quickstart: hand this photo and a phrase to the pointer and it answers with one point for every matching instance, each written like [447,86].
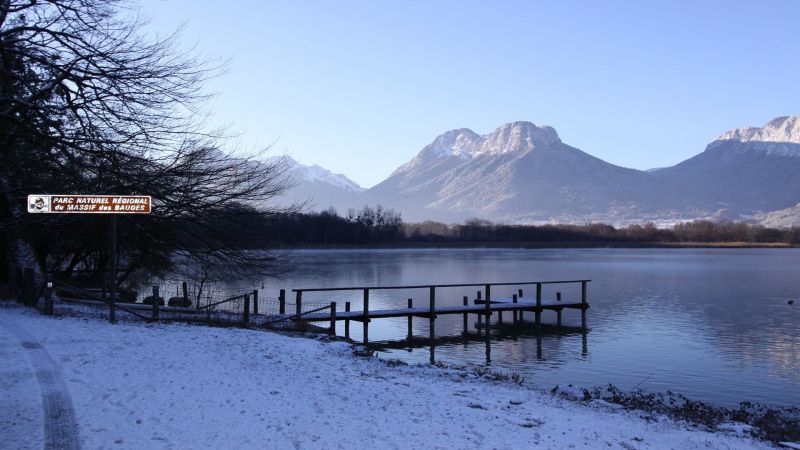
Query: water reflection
[496,335]
[711,324]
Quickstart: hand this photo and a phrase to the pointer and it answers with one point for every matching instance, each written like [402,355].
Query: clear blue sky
[359,87]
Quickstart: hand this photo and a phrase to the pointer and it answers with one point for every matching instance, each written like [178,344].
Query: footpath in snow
[137,385]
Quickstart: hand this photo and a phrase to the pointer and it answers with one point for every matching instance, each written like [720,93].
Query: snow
[780,136]
[315,173]
[136,385]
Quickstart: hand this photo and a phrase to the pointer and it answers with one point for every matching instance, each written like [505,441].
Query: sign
[90,204]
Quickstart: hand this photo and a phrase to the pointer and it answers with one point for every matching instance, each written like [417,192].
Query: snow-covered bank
[181,386]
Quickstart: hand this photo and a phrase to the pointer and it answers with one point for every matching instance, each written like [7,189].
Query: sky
[360,87]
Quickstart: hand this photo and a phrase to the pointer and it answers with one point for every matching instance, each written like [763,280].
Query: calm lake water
[712,324]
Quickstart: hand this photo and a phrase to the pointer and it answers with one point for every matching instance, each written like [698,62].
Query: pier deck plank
[496,305]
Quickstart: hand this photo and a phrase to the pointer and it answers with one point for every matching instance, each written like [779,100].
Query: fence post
[410,333]
[246,311]
[465,317]
[28,287]
[185,292]
[48,296]
[298,303]
[255,302]
[332,329]
[366,315]
[583,304]
[347,321]
[155,303]
[519,313]
[282,302]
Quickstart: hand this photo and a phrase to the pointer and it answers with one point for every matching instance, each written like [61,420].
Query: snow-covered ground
[136,385]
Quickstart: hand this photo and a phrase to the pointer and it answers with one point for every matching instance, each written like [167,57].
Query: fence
[190,304]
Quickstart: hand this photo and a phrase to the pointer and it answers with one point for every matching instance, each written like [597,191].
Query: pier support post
[538,304]
[466,316]
[332,329]
[519,314]
[366,315]
[347,321]
[583,304]
[488,307]
[432,317]
[282,302]
[558,311]
[255,302]
[514,299]
[480,316]
[410,333]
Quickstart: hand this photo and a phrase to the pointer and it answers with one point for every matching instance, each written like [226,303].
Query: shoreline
[533,245]
[178,384]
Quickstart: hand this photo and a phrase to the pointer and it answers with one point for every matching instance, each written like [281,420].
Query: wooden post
[519,313]
[112,306]
[366,315]
[48,296]
[155,303]
[480,316]
[432,316]
[514,300]
[347,321]
[282,302]
[538,304]
[185,292]
[466,316]
[410,333]
[27,287]
[332,329]
[298,304]
[558,311]
[583,304]
[488,289]
[255,302]
[15,282]
[246,311]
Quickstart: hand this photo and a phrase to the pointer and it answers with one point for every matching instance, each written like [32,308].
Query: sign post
[95,204]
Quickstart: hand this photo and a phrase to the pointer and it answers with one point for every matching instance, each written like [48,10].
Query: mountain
[524,173]
[519,173]
[744,171]
[318,188]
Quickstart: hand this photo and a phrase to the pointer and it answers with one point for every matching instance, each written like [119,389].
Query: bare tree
[89,104]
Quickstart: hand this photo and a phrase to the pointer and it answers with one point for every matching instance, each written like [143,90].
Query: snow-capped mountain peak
[779,137]
[465,144]
[783,129]
[314,173]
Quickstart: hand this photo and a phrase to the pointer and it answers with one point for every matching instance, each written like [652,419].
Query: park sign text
[90,204]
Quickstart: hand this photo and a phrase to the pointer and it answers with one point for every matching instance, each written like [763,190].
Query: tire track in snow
[60,426]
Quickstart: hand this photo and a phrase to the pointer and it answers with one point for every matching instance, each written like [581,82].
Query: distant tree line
[701,231]
[367,225]
[379,225]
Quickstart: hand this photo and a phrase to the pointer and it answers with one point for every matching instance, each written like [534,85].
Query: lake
[712,324]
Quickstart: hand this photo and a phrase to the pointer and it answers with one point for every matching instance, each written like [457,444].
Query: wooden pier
[484,306]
